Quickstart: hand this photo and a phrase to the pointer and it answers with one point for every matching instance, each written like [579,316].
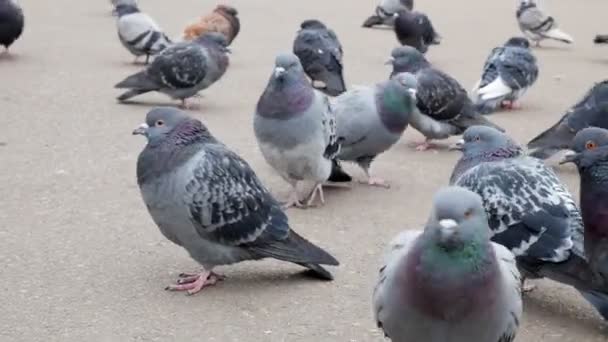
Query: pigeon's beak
[447,231]
[389,61]
[141,129]
[279,71]
[569,157]
[457,146]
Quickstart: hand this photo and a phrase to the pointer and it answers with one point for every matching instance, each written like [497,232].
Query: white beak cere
[278,71]
[448,223]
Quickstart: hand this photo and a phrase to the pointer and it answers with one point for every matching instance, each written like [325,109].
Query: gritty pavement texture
[81,258]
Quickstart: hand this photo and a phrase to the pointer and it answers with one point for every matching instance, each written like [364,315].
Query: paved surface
[81,259]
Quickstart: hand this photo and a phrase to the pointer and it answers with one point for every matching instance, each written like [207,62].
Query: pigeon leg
[147,59]
[194,283]
[374,181]
[423,146]
[511,105]
[317,189]
[135,60]
[526,288]
[293,200]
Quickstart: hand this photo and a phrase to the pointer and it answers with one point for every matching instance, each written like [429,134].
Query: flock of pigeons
[505,217]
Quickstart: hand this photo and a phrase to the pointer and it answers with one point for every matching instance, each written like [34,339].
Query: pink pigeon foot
[293,201]
[511,105]
[194,283]
[317,189]
[423,146]
[375,181]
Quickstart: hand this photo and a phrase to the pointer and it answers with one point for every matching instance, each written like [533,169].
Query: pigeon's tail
[598,300]
[373,21]
[470,117]
[551,141]
[334,84]
[559,35]
[131,93]
[139,80]
[601,39]
[338,175]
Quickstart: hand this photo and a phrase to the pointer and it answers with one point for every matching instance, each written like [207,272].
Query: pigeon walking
[320,53]
[371,120]
[537,25]
[508,73]
[224,19]
[206,199]
[444,107]
[11,22]
[296,129]
[182,70]
[386,10]
[139,33]
[529,211]
[591,110]
[415,29]
[449,282]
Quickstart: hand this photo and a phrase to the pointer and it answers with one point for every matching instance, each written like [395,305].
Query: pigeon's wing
[439,95]
[354,111]
[533,19]
[518,68]
[336,49]
[181,66]
[429,36]
[316,53]
[133,27]
[512,285]
[529,211]
[490,69]
[329,127]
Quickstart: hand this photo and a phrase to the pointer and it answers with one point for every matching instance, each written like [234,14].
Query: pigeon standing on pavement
[507,74]
[224,19]
[415,29]
[139,33]
[181,70]
[591,110]
[386,10]
[320,53]
[11,22]
[296,129]
[529,211]
[208,200]
[449,282]
[537,25]
[444,107]
[371,120]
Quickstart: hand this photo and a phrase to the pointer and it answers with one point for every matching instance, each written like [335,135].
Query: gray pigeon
[529,210]
[208,200]
[11,22]
[415,29]
[508,73]
[591,110]
[537,25]
[386,10]
[371,120]
[182,70]
[139,33]
[449,282]
[444,107]
[296,129]
[320,53]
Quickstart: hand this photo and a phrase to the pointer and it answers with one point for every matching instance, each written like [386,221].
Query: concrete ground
[81,258]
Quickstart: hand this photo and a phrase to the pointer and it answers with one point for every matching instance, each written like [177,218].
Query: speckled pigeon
[444,107]
[591,110]
[296,129]
[507,74]
[386,10]
[529,210]
[207,199]
[537,26]
[181,70]
[449,282]
[371,120]
[11,22]
[415,29]
[320,53]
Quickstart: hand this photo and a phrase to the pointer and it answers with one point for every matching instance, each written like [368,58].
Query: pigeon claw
[194,283]
[379,182]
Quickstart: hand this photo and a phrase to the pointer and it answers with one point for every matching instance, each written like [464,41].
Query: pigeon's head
[519,42]
[227,10]
[458,218]
[483,140]
[406,82]
[312,23]
[589,146]
[287,68]
[214,39]
[160,122]
[406,58]
[124,9]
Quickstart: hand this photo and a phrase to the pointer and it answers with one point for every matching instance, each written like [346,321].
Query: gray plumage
[508,73]
[139,33]
[444,107]
[591,110]
[431,290]
[386,10]
[415,29]
[537,26]
[371,120]
[12,22]
[320,53]
[295,127]
[208,200]
[182,70]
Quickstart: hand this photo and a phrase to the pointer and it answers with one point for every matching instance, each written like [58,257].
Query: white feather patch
[498,88]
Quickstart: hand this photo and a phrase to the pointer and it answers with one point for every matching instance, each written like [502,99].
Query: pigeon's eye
[468,213]
[477,138]
[159,123]
[590,145]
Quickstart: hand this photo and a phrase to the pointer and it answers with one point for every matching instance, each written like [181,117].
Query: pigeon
[223,19]
[296,129]
[11,22]
[601,39]
[116,3]
[386,10]
[449,282]
[444,107]
[537,25]
[508,73]
[529,210]
[139,33]
[591,110]
[181,70]
[206,199]
[320,53]
[371,120]
[415,29]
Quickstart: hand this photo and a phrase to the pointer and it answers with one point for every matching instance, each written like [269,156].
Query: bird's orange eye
[590,145]
[468,213]
[159,123]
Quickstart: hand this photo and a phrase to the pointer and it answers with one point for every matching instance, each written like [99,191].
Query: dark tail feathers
[139,83]
[601,39]
[551,141]
[338,175]
[373,21]
[131,93]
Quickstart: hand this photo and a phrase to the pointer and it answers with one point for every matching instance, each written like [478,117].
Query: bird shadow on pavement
[10,56]
[598,61]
